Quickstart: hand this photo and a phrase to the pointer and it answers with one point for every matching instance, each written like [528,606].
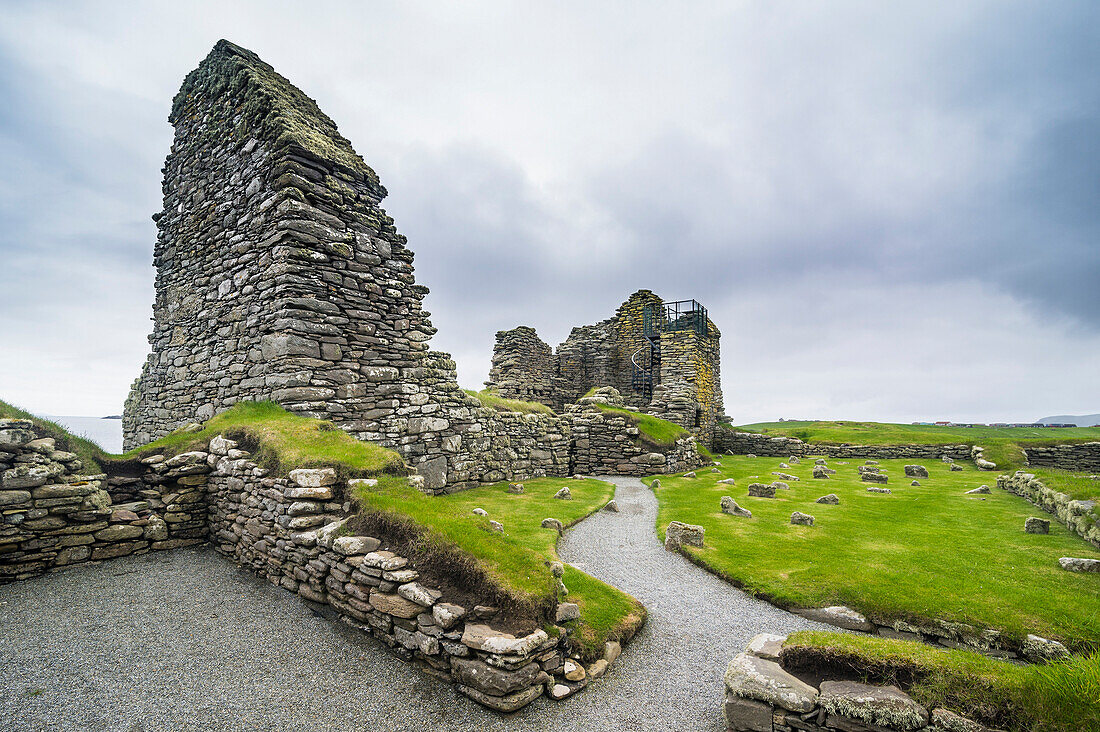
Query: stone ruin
[663,357]
[280,277]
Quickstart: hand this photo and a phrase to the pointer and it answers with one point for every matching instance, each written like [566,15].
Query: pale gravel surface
[184,640]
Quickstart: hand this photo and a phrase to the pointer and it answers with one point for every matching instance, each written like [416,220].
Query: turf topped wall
[731,441]
[55,517]
[1079,516]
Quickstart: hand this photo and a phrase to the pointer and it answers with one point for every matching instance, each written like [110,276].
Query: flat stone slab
[1079,564]
[838,615]
[886,706]
[766,645]
[750,677]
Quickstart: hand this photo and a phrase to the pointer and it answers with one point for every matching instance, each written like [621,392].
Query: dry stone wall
[730,441]
[1080,457]
[56,517]
[1081,517]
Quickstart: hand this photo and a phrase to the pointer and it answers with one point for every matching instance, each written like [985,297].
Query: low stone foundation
[55,517]
[608,443]
[1082,457]
[1081,517]
[763,696]
[729,441]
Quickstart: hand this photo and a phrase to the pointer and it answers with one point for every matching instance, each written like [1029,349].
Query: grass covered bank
[1063,696]
[919,553]
[519,558]
[91,454]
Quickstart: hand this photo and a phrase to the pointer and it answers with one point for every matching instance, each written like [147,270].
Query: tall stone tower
[278,274]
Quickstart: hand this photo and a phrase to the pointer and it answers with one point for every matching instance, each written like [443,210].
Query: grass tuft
[491,399]
[653,430]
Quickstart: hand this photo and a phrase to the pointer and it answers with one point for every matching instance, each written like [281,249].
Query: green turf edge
[1055,697]
[607,613]
[653,430]
[493,400]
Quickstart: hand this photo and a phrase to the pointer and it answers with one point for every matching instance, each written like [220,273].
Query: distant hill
[1081,420]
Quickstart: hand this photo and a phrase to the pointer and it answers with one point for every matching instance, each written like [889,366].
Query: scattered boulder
[868,469]
[870,462]
[984,464]
[876,489]
[802,519]
[832,498]
[567,611]
[874,478]
[820,461]
[679,534]
[1034,525]
[819,472]
[780,486]
[496,526]
[656,483]
[759,490]
[915,484]
[690,474]
[730,506]
[916,471]
[553,523]
[480,512]
[1079,564]
[611,506]
[564,494]
[786,476]
[794,460]
[784,465]
[515,489]
[728,481]
[715,470]
[981,489]
[955,468]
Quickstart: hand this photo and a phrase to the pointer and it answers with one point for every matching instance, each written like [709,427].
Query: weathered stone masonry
[280,277]
[683,384]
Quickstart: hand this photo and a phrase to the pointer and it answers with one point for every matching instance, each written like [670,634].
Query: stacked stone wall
[1079,516]
[56,517]
[610,444]
[524,367]
[1079,457]
[729,441]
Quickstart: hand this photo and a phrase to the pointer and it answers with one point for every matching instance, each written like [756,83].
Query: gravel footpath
[184,640]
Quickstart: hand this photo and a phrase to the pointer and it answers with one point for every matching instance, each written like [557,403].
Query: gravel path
[184,640]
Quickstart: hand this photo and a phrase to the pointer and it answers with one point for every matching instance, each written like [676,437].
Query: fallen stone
[553,523]
[820,461]
[759,490]
[564,494]
[730,506]
[820,472]
[479,512]
[873,489]
[690,474]
[656,483]
[982,489]
[759,679]
[1038,649]
[874,478]
[886,706]
[679,534]
[802,519]
[1034,525]
[597,669]
[728,481]
[915,484]
[780,486]
[1079,564]
[787,477]
[515,489]
[956,468]
[567,611]
[496,526]
[916,471]
[611,506]
[838,615]
[832,498]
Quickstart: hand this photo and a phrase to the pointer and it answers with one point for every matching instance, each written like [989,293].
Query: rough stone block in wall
[1080,457]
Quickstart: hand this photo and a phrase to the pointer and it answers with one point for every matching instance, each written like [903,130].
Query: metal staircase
[645,362]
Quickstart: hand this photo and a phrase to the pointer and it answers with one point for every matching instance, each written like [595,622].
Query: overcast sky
[892,210]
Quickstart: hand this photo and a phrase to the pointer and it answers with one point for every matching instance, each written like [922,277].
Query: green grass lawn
[1057,697]
[919,553]
[519,558]
[1077,486]
[1002,443]
[281,441]
[90,453]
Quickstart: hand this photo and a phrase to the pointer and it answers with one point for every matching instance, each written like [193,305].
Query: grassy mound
[1057,697]
[918,554]
[281,441]
[519,559]
[491,399]
[90,453]
[1003,445]
[653,430]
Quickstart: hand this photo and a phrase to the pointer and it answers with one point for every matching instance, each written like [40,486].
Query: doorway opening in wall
[698,415]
